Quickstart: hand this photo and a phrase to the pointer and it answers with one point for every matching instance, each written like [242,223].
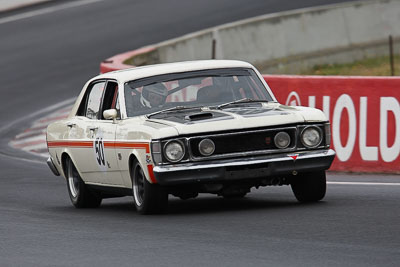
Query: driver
[153,95]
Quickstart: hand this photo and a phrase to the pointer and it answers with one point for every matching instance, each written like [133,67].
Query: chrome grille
[242,143]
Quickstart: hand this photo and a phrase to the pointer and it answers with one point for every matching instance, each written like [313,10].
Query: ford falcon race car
[186,128]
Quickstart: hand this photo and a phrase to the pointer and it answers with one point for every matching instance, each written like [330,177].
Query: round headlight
[206,147]
[282,140]
[311,137]
[174,151]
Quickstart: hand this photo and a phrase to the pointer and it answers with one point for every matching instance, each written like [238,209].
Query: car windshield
[206,88]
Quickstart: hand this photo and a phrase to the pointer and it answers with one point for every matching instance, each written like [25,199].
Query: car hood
[236,117]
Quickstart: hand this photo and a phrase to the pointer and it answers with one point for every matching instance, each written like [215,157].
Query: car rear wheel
[148,198]
[80,195]
[309,187]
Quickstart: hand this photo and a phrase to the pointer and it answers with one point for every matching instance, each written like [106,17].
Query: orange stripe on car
[107,144]
[70,144]
[151,174]
[128,145]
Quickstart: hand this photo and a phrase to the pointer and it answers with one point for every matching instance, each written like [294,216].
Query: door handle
[71,124]
[94,128]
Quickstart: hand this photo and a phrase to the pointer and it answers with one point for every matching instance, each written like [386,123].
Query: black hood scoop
[193,116]
[199,116]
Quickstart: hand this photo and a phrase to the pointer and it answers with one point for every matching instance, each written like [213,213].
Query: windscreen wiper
[243,100]
[177,108]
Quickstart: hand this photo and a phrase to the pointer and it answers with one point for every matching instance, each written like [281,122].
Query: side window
[94,100]
[110,99]
[117,107]
[117,104]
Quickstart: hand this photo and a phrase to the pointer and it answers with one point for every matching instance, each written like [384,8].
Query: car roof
[159,69]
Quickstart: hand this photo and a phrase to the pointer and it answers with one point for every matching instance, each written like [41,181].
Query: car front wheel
[149,198]
[309,187]
[80,195]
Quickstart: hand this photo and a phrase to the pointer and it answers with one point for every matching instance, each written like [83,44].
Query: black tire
[148,198]
[309,187]
[80,195]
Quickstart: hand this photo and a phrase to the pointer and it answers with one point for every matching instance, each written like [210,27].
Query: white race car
[186,128]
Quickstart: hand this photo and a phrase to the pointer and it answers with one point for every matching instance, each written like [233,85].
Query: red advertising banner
[364,113]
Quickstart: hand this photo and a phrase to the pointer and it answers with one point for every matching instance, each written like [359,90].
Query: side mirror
[110,114]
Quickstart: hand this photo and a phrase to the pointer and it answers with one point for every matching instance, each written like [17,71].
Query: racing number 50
[99,146]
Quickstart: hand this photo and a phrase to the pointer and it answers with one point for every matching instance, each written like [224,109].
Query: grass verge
[368,67]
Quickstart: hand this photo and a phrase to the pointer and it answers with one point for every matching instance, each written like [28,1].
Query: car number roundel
[98,148]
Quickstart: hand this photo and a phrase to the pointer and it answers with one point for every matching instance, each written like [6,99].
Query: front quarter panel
[309,114]
[133,138]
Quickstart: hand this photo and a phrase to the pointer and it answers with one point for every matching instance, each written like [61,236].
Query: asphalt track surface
[46,58]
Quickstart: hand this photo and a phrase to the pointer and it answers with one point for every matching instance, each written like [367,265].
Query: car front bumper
[244,168]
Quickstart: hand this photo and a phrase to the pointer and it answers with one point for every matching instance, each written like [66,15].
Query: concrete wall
[290,41]
[188,47]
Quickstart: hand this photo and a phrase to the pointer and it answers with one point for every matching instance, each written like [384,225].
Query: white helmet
[153,95]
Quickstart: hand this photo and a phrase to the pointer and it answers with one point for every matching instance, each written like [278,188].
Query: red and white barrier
[117,62]
[364,113]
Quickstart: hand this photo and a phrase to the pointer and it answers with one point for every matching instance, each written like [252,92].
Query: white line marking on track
[46,10]
[361,183]
[30,133]
[22,159]
[36,144]
[32,115]
[33,139]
